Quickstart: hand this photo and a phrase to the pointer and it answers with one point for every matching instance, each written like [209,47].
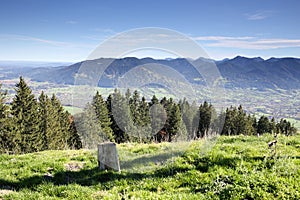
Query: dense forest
[166,120]
[30,124]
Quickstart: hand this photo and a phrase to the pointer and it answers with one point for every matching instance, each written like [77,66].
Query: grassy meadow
[237,167]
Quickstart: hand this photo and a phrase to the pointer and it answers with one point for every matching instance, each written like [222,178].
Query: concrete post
[108,156]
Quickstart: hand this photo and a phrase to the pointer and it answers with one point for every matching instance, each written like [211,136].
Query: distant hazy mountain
[239,72]
[14,69]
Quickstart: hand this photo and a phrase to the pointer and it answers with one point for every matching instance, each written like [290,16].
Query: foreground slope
[235,168]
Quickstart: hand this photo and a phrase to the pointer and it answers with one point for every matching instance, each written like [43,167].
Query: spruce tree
[24,109]
[134,104]
[153,101]
[174,121]
[229,127]
[189,112]
[241,121]
[119,113]
[263,125]
[89,128]
[102,115]
[250,125]
[5,137]
[44,106]
[205,111]
[144,125]
[272,126]
[158,117]
[66,136]
[74,140]
[56,125]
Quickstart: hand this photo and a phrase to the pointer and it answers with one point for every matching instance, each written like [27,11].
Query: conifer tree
[250,125]
[205,111]
[134,104]
[59,125]
[24,109]
[263,125]
[158,117]
[89,128]
[174,121]
[189,113]
[102,115]
[66,136]
[119,113]
[240,121]
[44,107]
[153,101]
[74,140]
[143,111]
[272,126]
[128,94]
[5,137]
[144,125]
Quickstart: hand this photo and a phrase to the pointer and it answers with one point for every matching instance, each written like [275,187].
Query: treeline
[32,124]
[238,122]
[130,118]
[29,124]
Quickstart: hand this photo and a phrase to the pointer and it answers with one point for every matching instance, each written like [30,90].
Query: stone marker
[108,156]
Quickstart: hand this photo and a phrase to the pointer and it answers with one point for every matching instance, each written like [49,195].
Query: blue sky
[69,30]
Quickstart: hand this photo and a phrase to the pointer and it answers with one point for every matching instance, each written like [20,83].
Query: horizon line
[149,57]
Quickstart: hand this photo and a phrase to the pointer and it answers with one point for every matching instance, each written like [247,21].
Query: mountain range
[239,72]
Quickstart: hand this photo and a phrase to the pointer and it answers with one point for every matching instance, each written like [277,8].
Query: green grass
[73,110]
[234,168]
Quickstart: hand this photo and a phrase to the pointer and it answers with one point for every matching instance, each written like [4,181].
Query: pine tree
[174,121]
[205,111]
[263,125]
[89,128]
[272,126]
[189,113]
[241,121]
[144,125]
[59,125]
[134,104]
[119,113]
[143,111]
[5,137]
[158,117]
[128,94]
[66,135]
[74,141]
[168,106]
[250,125]
[26,135]
[153,101]
[254,124]
[102,115]
[229,127]
[44,106]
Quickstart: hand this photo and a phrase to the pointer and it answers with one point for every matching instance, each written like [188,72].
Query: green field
[234,168]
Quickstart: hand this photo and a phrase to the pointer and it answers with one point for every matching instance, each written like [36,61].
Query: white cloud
[34,39]
[105,30]
[71,22]
[43,41]
[220,38]
[248,42]
[259,15]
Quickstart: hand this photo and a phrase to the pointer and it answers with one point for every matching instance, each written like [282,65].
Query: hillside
[235,168]
[239,72]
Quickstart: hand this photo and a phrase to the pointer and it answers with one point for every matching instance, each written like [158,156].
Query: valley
[264,87]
